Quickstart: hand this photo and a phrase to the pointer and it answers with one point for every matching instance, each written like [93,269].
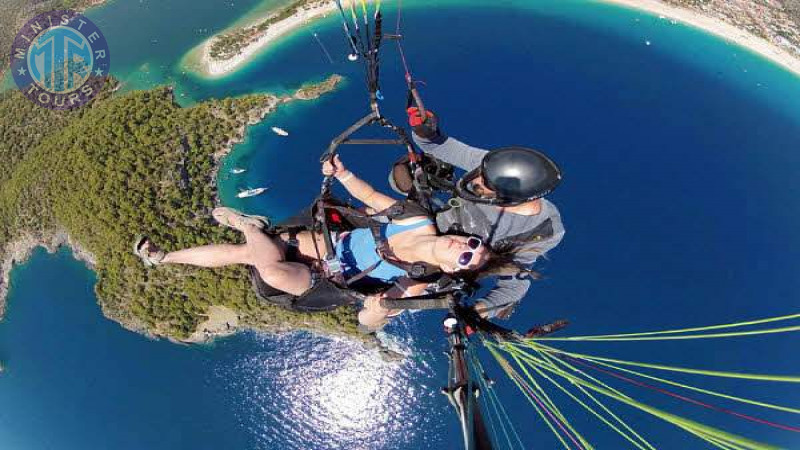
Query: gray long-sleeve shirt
[497,226]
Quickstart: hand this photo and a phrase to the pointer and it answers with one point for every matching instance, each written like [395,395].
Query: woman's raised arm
[357,187]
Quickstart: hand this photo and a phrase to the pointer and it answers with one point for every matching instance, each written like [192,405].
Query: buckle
[332,266]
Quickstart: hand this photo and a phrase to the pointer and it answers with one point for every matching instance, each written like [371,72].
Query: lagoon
[679,202]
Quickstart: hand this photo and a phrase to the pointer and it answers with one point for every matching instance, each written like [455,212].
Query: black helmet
[516,174]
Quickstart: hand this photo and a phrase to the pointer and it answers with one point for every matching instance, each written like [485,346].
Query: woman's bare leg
[216,255]
[259,247]
[268,258]
[260,251]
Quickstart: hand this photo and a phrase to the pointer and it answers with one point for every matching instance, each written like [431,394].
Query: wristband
[345,178]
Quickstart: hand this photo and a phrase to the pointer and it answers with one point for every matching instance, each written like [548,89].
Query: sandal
[236,220]
[148,252]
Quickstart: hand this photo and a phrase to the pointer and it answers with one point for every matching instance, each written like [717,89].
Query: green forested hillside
[128,165]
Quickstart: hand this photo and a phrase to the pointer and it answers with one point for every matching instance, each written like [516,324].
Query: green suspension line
[683,330]
[711,373]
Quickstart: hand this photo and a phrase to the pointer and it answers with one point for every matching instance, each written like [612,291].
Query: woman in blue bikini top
[413,239]
[404,241]
[358,252]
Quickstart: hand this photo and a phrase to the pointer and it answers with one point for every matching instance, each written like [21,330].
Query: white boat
[237,171]
[280,131]
[251,192]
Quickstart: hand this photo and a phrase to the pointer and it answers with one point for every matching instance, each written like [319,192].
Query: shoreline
[208,67]
[717,27]
[212,68]
[20,249]
[220,320]
[219,68]
[256,117]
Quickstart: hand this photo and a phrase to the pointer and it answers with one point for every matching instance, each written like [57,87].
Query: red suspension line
[684,398]
[546,410]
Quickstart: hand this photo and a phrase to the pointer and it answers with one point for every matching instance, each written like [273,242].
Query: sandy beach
[218,68]
[717,27]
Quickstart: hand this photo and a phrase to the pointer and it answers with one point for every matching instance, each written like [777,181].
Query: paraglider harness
[329,217]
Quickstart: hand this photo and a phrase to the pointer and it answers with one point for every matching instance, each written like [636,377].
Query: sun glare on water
[310,392]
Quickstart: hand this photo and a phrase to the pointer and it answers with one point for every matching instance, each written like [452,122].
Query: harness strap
[292,245]
[393,212]
[352,280]
[416,270]
[331,264]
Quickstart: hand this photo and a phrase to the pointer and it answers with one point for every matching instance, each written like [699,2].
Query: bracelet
[346,178]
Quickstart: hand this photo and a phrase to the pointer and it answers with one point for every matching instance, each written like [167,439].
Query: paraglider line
[328,55]
[399,44]
[684,398]
[547,411]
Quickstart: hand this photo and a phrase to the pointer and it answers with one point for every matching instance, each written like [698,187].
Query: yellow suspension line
[515,377]
[676,338]
[676,420]
[683,330]
[712,440]
[598,402]
[720,444]
[353,11]
[721,437]
[595,380]
[711,373]
[696,389]
[595,413]
[681,422]
[545,398]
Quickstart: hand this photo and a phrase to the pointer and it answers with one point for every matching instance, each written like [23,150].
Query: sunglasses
[466,258]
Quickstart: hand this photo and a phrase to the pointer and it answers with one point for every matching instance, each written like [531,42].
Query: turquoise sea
[680,203]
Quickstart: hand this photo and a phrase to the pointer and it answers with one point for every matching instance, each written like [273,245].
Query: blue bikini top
[358,251]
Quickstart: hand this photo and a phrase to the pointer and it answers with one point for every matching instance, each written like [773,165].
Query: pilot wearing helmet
[500,199]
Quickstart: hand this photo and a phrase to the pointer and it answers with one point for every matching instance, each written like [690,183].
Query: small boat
[280,131]
[237,171]
[251,192]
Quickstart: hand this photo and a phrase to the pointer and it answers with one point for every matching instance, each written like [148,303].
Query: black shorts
[323,295]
